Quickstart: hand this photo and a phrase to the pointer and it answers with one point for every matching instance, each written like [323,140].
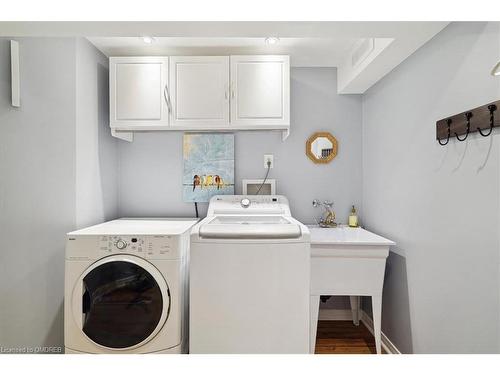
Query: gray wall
[151,166]
[38,185]
[96,150]
[440,204]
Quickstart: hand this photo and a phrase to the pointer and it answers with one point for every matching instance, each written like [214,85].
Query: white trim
[340,314]
[126,136]
[334,314]
[285,134]
[207,128]
[387,344]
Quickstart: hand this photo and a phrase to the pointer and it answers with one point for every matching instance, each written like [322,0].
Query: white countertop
[344,235]
[140,226]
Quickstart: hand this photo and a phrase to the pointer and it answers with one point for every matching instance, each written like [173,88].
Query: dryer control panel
[148,247]
[143,246]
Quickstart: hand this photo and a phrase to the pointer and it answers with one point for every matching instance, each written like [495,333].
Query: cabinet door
[200,90]
[138,92]
[260,90]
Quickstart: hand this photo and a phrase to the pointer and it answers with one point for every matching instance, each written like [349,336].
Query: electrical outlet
[269,157]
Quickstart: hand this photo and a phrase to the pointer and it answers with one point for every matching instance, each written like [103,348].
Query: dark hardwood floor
[343,337]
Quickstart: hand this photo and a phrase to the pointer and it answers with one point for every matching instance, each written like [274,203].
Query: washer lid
[250,227]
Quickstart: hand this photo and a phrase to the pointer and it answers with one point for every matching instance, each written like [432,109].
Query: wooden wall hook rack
[481,119]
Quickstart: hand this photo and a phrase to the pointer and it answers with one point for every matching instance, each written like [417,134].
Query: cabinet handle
[166,94]
[232,90]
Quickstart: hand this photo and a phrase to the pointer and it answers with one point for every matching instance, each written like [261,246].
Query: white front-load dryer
[126,287]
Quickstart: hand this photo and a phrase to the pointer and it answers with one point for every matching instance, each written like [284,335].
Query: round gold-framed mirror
[321,147]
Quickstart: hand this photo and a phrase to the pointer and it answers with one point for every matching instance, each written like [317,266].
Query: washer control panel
[248,204]
[160,247]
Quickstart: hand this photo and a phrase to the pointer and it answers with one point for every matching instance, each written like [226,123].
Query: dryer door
[121,302]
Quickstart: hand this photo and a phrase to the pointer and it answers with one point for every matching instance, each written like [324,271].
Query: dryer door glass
[122,304]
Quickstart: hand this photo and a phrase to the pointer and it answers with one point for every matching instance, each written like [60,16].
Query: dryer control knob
[120,244]
[245,202]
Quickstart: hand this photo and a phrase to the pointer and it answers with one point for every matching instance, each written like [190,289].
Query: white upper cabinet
[199,88]
[138,93]
[199,93]
[260,91]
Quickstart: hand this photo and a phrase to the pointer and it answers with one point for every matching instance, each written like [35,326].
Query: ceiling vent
[362,50]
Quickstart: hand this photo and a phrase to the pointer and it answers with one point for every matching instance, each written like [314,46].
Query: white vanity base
[347,262]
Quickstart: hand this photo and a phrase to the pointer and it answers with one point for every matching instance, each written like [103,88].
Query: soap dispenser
[353,218]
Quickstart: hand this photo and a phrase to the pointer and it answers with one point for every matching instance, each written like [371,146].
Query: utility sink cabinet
[347,262]
[199,93]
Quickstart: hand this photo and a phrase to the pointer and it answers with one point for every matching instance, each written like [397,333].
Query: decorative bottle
[353,218]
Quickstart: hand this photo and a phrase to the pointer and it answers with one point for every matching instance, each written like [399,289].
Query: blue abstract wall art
[208,166]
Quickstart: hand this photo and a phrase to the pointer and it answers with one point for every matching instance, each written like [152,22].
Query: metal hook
[492,109]
[448,121]
[468,115]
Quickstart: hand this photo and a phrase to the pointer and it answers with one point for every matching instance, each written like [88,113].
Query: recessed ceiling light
[496,70]
[148,39]
[272,40]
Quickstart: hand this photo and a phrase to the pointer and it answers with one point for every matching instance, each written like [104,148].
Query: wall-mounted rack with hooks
[481,119]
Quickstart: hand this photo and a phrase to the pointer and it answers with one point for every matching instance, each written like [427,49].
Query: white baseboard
[337,314]
[387,344]
[334,314]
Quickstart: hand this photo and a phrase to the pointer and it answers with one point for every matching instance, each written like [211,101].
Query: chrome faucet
[327,220]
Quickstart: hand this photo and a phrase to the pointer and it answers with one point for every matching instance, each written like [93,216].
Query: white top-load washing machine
[126,287]
[249,278]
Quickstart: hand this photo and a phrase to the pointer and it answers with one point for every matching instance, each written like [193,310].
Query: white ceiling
[329,44]
[252,29]
[302,51]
